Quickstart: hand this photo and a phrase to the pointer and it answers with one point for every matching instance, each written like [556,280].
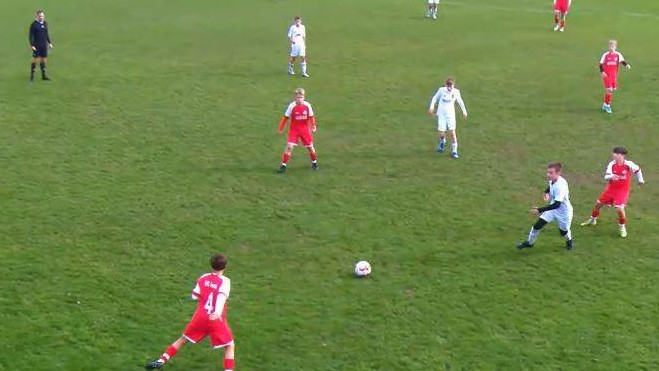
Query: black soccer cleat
[569,245]
[314,166]
[282,169]
[524,245]
[45,78]
[155,365]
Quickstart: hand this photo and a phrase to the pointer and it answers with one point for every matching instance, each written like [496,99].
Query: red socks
[594,214]
[169,353]
[229,364]
[285,158]
[607,98]
[314,156]
[622,221]
[562,23]
[555,19]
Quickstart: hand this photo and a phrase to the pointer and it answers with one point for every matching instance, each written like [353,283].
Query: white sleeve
[433,101]
[311,114]
[636,170]
[304,32]
[289,110]
[196,292]
[622,59]
[602,58]
[223,295]
[290,32]
[608,174]
[461,103]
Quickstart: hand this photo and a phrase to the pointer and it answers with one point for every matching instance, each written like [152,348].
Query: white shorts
[433,1]
[445,122]
[562,217]
[298,50]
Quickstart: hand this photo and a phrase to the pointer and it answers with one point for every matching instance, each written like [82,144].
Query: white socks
[303,66]
[454,147]
[533,235]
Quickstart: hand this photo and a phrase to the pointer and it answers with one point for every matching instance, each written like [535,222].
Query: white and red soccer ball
[362,268]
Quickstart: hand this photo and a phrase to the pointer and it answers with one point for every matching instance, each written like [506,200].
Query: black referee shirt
[39,34]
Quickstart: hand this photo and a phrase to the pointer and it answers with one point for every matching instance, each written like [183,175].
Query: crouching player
[618,174]
[303,124]
[210,318]
[559,208]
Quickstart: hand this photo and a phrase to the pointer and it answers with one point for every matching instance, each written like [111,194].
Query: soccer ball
[362,269]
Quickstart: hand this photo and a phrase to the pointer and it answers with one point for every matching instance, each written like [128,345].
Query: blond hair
[613,41]
[299,91]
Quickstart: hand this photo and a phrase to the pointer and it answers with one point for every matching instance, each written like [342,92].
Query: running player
[609,71]
[297,35]
[210,318]
[303,125]
[445,99]
[618,175]
[561,8]
[559,208]
[432,9]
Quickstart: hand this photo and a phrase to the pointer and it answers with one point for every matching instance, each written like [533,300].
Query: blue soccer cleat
[607,108]
[441,147]
[524,245]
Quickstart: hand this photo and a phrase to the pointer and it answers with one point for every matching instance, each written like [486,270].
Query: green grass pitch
[155,145]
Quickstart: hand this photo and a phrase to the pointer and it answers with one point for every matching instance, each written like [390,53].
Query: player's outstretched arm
[282,124]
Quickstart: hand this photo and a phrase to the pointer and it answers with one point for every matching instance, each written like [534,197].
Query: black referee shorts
[41,52]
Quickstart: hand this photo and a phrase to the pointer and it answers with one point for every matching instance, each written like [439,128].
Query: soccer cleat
[305,75]
[623,231]
[282,169]
[569,245]
[441,147]
[434,16]
[606,108]
[524,245]
[314,166]
[562,29]
[155,365]
[45,78]
[557,27]
[588,222]
[454,155]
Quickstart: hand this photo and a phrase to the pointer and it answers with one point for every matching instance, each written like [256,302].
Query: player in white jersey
[558,210]
[432,9]
[297,35]
[445,99]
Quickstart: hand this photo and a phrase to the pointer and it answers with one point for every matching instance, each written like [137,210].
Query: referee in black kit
[40,43]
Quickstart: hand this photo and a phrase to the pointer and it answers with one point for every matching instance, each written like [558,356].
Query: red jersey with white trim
[207,290]
[624,172]
[300,114]
[610,62]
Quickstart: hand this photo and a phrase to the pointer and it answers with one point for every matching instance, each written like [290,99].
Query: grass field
[155,145]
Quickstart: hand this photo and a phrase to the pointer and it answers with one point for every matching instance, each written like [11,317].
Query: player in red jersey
[618,174]
[561,8]
[609,71]
[303,125]
[209,319]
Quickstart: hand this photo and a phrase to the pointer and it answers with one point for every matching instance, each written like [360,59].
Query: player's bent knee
[539,224]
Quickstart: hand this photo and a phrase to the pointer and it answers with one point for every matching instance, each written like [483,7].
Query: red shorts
[300,134]
[611,82]
[613,197]
[562,6]
[218,331]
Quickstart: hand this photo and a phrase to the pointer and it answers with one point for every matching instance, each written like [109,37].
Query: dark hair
[620,150]
[450,80]
[556,166]
[297,17]
[218,262]
[39,11]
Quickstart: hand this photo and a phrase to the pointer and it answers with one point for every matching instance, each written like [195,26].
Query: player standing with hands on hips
[297,35]
[608,65]
[445,99]
[559,208]
[39,43]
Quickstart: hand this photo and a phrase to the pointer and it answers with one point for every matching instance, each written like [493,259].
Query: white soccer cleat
[589,222]
[556,27]
[305,75]
[623,231]
[562,29]
[434,16]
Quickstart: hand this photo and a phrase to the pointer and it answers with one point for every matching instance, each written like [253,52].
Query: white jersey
[560,192]
[297,34]
[445,99]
